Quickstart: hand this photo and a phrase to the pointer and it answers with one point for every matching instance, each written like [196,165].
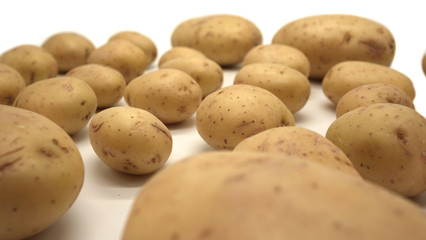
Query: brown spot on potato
[97,127]
[375,49]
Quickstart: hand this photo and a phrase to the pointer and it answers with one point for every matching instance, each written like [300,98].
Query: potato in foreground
[41,173]
[11,83]
[252,196]
[130,140]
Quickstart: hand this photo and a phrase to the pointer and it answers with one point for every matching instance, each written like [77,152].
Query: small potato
[348,75]
[142,41]
[372,93]
[178,52]
[329,39]
[32,62]
[11,83]
[279,53]
[300,142]
[69,49]
[207,73]
[41,173]
[107,83]
[130,140]
[289,85]
[170,94]
[67,101]
[121,55]
[223,38]
[236,112]
[386,143]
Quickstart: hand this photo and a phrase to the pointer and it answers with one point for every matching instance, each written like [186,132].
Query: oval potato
[142,41]
[178,52]
[11,83]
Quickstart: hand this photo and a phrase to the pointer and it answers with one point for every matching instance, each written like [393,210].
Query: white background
[101,209]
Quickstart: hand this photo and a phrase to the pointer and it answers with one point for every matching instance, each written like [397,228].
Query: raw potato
[121,55]
[130,140]
[67,101]
[288,84]
[279,53]
[107,83]
[386,142]
[424,63]
[69,49]
[236,112]
[348,75]
[207,73]
[372,93]
[32,62]
[142,41]
[301,142]
[329,39]
[251,196]
[41,173]
[178,52]
[11,83]
[170,94]
[223,38]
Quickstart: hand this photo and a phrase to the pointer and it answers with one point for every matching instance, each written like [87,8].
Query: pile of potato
[268,179]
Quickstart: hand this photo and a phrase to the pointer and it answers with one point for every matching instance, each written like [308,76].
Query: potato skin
[424,64]
[11,83]
[329,39]
[386,143]
[41,173]
[142,41]
[348,75]
[178,52]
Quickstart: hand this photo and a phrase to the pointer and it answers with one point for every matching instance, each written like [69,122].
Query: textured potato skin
[329,39]
[11,83]
[140,40]
[41,173]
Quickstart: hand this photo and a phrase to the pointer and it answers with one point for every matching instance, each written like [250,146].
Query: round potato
[170,94]
[121,55]
[207,73]
[329,39]
[386,142]
[130,140]
[69,49]
[348,75]
[236,112]
[142,41]
[11,83]
[107,83]
[223,38]
[32,62]
[300,142]
[178,52]
[289,85]
[41,173]
[251,196]
[279,53]
[372,93]
[67,101]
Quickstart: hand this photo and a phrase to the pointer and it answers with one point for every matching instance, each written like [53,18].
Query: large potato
[11,83]
[142,41]
[386,142]
[41,173]
[329,39]
[348,75]
[223,38]
[252,196]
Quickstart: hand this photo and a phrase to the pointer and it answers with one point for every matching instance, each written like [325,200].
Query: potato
[69,49]
[300,142]
[107,83]
[67,101]
[142,41]
[386,142]
[329,39]
[41,173]
[230,195]
[279,53]
[11,83]
[348,75]
[372,93]
[170,94]
[224,38]
[121,55]
[32,62]
[289,85]
[236,112]
[207,73]
[424,63]
[130,140]
[178,52]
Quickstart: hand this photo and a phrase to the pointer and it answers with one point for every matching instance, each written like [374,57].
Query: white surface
[101,209]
